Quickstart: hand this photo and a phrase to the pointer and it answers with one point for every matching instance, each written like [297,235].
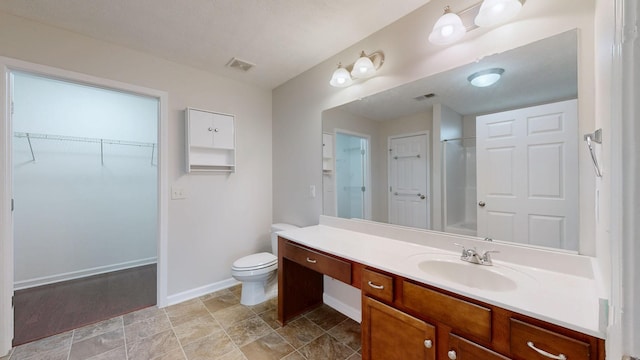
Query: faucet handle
[464,249]
[486,255]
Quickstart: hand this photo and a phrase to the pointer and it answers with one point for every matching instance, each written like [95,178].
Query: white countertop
[558,288]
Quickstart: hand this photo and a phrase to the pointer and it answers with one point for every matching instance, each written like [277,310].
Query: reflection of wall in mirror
[336,120]
[379,132]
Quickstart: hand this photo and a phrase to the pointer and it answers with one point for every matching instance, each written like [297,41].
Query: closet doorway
[85,190]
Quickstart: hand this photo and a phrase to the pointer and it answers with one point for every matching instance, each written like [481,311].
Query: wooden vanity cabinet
[405,319]
[397,313]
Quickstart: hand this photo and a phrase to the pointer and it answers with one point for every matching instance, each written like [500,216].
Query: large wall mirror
[498,162]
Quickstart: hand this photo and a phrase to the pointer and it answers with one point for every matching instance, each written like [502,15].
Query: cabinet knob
[215,130]
[210,129]
[482,203]
[428,344]
[452,355]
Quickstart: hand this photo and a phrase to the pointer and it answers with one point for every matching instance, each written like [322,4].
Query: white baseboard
[45,280]
[202,290]
[353,313]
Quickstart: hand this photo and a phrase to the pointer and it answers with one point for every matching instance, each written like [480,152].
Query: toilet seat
[255,262]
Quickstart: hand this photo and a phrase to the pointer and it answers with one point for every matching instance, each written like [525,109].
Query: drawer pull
[428,344]
[313,261]
[452,355]
[544,353]
[377,287]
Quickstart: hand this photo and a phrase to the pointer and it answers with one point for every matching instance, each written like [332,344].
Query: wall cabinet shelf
[211,141]
[327,152]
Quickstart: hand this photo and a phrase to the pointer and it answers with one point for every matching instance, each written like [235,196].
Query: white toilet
[257,271]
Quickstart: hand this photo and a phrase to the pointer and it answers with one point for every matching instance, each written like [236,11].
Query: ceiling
[537,73]
[283,38]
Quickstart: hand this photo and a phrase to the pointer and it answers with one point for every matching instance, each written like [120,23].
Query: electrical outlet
[178,192]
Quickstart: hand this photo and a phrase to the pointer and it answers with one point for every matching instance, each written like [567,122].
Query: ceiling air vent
[424,97]
[242,65]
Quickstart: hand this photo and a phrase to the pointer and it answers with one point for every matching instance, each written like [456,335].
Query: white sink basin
[451,269]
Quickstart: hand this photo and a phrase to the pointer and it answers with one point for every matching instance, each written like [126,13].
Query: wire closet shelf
[102,142]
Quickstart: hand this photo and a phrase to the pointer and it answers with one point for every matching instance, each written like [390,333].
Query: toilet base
[256,292]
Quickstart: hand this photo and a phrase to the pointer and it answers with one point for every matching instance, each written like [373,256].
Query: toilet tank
[274,234]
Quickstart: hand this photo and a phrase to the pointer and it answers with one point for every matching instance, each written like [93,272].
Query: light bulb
[495,12]
[448,29]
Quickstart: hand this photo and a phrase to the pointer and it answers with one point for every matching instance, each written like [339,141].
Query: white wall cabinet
[211,141]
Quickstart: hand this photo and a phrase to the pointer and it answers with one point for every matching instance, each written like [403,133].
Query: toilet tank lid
[255,260]
[282,227]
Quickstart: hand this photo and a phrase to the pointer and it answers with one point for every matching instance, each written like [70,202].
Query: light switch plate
[178,192]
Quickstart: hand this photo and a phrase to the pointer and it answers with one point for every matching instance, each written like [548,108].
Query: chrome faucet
[474,256]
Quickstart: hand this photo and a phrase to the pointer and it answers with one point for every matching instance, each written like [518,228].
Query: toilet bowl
[257,272]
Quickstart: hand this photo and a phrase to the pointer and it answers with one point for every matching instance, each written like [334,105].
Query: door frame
[428,175]
[367,196]
[7,65]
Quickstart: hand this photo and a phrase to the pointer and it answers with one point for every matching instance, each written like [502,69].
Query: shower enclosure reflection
[349,175]
[459,186]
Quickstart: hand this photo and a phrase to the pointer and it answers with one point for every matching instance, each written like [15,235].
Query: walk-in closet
[85,203]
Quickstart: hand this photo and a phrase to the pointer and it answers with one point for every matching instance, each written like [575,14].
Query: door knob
[482,204]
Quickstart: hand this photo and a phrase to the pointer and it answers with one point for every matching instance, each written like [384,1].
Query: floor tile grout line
[73,334]
[124,338]
[221,326]
[174,333]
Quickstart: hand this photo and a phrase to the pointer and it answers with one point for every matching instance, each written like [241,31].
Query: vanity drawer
[465,317]
[526,336]
[377,285]
[467,350]
[325,264]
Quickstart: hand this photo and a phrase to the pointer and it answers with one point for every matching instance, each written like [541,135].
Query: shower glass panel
[351,170]
[459,172]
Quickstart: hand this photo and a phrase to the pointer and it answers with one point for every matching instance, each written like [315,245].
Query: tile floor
[214,326]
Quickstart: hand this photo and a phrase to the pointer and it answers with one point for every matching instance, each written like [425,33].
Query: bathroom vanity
[420,301]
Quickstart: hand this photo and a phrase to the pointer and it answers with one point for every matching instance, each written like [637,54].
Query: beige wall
[224,216]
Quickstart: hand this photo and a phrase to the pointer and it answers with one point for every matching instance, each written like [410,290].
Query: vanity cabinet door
[462,349]
[388,333]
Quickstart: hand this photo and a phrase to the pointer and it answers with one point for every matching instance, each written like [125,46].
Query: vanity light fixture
[341,77]
[366,66]
[448,29]
[451,27]
[495,12]
[485,78]
[363,68]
